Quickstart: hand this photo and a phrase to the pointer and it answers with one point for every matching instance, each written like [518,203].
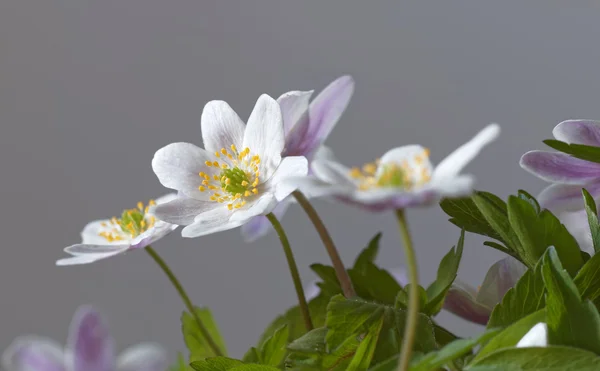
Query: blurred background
[90,89]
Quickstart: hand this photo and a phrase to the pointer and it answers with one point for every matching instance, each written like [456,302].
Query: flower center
[132,223]
[237,179]
[409,173]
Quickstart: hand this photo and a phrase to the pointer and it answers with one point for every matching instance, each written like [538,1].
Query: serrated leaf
[588,153]
[523,195]
[216,364]
[571,321]
[495,212]
[195,340]
[526,297]
[254,368]
[369,254]
[374,283]
[447,270]
[465,214]
[274,350]
[588,279]
[553,358]
[330,285]
[592,214]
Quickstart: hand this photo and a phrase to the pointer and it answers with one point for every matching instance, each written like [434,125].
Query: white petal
[143,357]
[312,187]
[221,126]
[289,166]
[91,233]
[33,353]
[333,173]
[459,186]
[177,166]
[85,254]
[294,107]
[211,221]
[578,226]
[457,160]
[165,198]
[414,156]
[501,276]
[153,234]
[536,337]
[324,153]
[264,205]
[311,290]
[182,210]
[264,134]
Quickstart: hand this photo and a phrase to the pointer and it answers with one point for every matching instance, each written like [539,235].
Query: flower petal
[559,167]
[143,357]
[312,290]
[415,157]
[294,109]
[85,254]
[565,197]
[333,173]
[91,233]
[264,205]
[578,226]
[459,186]
[259,226]
[382,199]
[324,153]
[502,276]
[182,210]
[177,166]
[579,132]
[457,160]
[153,234]
[536,337]
[264,134]
[221,126]
[211,221]
[33,353]
[461,301]
[90,343]
[313,187]
[289,166]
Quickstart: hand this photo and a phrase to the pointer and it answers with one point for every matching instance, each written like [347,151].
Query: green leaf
[588,279]
[571,321]
[369,254]
[588,153]
[530,199]
[447,270]
[452,351]
[195,340]
[511,335]
[526,297]
[216,364]
[273,351]
[537,231]
[254,368]
[465,214]
[592,214]
[538,359]
[495,212]
[181,364]
[330,285]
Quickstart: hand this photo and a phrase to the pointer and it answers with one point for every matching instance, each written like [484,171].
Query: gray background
[90,89]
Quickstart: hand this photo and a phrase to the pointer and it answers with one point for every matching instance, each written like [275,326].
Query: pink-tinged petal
[153,234]
[294,109]
[90,342]
[333,173]
[221,127]
[182,210]
[502,276]
[259,226]
[382,199]
[579,132]
[143,357]
[311,290]
[566,197]
[32,353]
[461,301]
[536,337]
[577,224]
[86,254]
[558,167]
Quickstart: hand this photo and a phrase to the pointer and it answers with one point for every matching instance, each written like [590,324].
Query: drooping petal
[313,187]
[560,167]
[566,197]
[333,173]
[578,226]
[294,109]
[90,342]
[264,205]
[461,301]
[264,134]
[177,166]
[221,126]
[579,132]
[211,221]
[85,254]
[91,233]
[143,357]
[457,160]
[153,234]
[536,337]
[33,353]
[182,210]
[259,226]
[289,166]
[324,153]
[502,275]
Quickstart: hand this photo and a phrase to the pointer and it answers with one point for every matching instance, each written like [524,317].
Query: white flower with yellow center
[237,176]
[403,177]
[135,229]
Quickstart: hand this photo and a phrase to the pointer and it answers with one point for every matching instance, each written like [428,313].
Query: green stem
[410,326]
[186,299]
[293,270]
[338,265]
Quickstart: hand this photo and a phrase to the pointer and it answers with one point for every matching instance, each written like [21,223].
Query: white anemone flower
[537,336]
[135,229]
[237,176]
[403,177]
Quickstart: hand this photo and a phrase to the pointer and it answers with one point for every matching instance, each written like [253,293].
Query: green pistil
[236,177]
[132,222]
[393,176]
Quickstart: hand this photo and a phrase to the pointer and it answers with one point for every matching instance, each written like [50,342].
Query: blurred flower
[578,226]
[569,174]
[536,337]
[476,305]
[306,127]
[136,229]
[237,176]
[89,348]
[404,177]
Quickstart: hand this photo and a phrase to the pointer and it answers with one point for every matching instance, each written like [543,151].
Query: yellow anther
[143,224]
[208,163]
[212,188]
[213,198]
[217,195]
[140,206]
[217,154]
[216,177]
[220,200]
[237,206]
[233,148]
[244,183]
[426,152]
[230,206]
[227,181]
[255,191]
[255,183]
[201,189]
[224,166]
[370,169]
[205,182]
[356,173]
[247,194]
[215,164]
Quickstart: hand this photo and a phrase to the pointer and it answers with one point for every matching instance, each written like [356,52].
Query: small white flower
[536,337]
[237,176]
[101,239]
[404,176]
